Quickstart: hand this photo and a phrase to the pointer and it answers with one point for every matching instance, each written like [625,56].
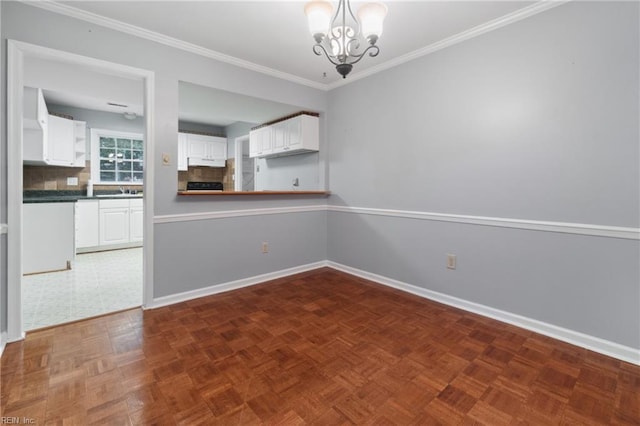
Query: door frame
[16,52]
[238,163]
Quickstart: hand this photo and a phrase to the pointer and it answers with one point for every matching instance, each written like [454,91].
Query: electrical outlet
[72,181]
[265,247]
[451,261]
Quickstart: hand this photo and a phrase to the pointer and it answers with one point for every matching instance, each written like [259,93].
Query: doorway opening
[245,165]
[20,71]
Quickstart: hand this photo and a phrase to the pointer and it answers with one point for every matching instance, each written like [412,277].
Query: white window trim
[95,154]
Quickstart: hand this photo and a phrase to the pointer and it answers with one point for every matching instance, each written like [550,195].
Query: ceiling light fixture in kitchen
[345,39]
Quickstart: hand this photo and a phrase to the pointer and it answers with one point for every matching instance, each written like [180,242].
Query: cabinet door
[280,135]
[260,141]
[254,143]
[48,234]
[217,148]
[61,149]
[183,164]
[197,146]
[265,138]
[87,224]
[136,224]
[35,124]
[295,133]
[114,225]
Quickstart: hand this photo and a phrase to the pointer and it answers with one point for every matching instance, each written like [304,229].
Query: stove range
[204,186]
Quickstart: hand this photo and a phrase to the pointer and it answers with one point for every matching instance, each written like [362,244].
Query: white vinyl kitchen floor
[99,283]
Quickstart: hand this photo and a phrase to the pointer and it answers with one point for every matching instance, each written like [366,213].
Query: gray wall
[33,25]
[278,173]
[535,121]
[232,248]
[235,130]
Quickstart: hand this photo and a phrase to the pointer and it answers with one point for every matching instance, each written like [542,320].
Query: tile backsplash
[54,178]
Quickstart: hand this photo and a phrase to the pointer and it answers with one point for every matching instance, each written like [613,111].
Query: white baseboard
[596,344]
[232,285]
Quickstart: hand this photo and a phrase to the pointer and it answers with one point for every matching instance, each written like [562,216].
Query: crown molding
[113,24]
[518,15]
[63,9]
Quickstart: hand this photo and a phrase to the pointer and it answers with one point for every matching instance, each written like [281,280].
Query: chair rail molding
[532,225]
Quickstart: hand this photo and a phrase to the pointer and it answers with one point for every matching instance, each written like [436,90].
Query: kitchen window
[117,157]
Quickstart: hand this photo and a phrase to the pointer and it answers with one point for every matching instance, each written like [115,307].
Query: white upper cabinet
[61,146]
[202,150]
[183,164]
[49,139]
[261,141]
[296,135]
[35,124]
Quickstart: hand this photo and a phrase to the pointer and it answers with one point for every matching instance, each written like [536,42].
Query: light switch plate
[451,261]
[166,159]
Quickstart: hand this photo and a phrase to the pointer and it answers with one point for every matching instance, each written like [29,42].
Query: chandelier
[343,38]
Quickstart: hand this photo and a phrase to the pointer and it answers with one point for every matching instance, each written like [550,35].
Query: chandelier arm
[374,52]
[318,49]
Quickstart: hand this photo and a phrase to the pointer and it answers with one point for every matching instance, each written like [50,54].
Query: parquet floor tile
[318,348]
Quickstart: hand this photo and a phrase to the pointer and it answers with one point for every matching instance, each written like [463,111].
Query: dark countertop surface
[33,196]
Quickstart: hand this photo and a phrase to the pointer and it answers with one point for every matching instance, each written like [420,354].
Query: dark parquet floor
[320,348]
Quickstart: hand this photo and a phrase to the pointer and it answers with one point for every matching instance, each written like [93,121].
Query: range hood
[207,162]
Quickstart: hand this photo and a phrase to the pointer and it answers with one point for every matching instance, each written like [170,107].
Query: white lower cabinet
[136,221]
[109,224]
[47,239]
[114,223]
[87,224]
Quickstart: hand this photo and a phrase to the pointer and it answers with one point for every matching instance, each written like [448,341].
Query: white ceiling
[274,34]
[272,37]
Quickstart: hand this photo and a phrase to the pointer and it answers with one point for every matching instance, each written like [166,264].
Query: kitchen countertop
[71,196]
